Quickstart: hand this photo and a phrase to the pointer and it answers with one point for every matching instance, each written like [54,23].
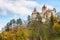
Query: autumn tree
[22,34]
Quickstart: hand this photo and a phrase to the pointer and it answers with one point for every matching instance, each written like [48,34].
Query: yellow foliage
[12,34]
[6,35]
[26,32]
[54,17]
[56,25]
[22,33]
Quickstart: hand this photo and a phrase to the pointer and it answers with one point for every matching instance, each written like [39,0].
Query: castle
[45,14]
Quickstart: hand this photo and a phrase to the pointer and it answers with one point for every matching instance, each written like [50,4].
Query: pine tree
[28,18]
[12,21]
[19,21]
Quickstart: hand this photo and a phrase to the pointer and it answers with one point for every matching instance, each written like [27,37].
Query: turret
[43,8]
[34,12]
[54,9]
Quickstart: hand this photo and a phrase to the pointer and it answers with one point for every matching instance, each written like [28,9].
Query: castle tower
[43,9]
[34,14]
[54,11]
[43,12]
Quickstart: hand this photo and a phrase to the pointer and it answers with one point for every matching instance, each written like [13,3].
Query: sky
[14,9]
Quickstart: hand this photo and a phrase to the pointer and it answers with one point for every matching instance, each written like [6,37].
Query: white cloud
[19,6]
[4,12]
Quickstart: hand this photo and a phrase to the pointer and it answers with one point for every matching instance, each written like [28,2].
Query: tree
[12,21]
[7,27]
[19,21]
[51,27]
[9,24]
[56,27]
[22,34]
[39,17]
[36,28]
[28,18]
[7,35]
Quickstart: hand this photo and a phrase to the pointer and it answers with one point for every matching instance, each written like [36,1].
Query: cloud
[18,6]
[21,7]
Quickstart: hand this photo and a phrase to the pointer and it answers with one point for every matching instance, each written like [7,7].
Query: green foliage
[7,27]
[39,18]
[9,24]
[38,30]
[13,21]
[51,20]
[28,18]
[19,21]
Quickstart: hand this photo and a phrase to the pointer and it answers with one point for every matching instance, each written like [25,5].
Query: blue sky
[14,9]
